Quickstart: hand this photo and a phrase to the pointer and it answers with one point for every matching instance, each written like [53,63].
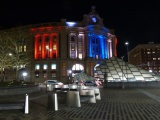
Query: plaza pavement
[115,104]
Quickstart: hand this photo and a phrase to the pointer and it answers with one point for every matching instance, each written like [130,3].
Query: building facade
[62,49]
[146,56]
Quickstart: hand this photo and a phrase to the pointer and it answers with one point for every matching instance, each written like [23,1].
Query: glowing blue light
[103,53]
[102,44]
[70,24]
[90,48]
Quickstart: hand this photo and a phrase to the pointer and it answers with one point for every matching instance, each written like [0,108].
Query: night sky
[137,22]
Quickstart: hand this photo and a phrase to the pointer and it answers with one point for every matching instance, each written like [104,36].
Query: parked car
[90,83]
[55,82]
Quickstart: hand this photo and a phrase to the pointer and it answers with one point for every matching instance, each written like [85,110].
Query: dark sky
[135,21]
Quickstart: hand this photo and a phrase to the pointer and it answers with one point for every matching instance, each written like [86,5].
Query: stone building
[62,49]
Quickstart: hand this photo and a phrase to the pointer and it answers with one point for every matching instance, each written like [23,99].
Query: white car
[55,82]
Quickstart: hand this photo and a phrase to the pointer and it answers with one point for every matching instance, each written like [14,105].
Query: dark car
[90,83]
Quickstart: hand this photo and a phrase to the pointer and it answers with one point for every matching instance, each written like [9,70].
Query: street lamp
[127,43]
[69,76]
[24,75]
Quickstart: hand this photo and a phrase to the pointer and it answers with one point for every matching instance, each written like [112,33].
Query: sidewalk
[116,104]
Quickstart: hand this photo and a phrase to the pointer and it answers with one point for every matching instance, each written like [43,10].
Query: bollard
[26,111]
[56,101]
[73,99]
[97,92]
[53,101]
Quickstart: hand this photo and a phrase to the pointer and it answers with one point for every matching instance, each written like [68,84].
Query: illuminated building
[146,56]
[59,47]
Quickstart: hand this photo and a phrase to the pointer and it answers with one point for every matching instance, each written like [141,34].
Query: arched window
[77,68]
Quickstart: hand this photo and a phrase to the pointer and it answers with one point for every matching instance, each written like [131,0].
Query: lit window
[73,47]
[78,67]
[37,67]
[148,52]
[45,66]
[53,66]
[153,52]
[24,48]
[54,47]
[158,58]
[96,56]
[20,48]
[37,75]
[80,47]
[154,58]
[39,48]
[80,55]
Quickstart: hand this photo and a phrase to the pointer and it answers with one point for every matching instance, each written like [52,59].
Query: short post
[26,111]
[53,101]
[73,99]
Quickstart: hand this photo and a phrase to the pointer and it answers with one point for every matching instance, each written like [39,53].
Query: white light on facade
[70,24]
[24,74]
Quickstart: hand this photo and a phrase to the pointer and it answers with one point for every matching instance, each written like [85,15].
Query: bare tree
[20,54]
[14,54]
[5,61]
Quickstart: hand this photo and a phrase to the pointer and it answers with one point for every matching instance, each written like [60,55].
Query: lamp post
[69,76]
[122,74]
[127,43]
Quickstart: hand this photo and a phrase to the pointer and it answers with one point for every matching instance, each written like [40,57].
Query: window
[47,39]
[148,52]
[44,75]
[53,75]
[20,48]
[24,48]
[80,47]
[72,47]
[40,40]
[80,56]
[73,55]
[54,38]
[37,75]
[96,56]
[39,48]
[54,47]
[45,67]
[63,68]
[154,58]
[37,67]
[53,66]
[72,38]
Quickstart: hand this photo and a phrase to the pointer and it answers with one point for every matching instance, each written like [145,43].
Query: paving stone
[115,104]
